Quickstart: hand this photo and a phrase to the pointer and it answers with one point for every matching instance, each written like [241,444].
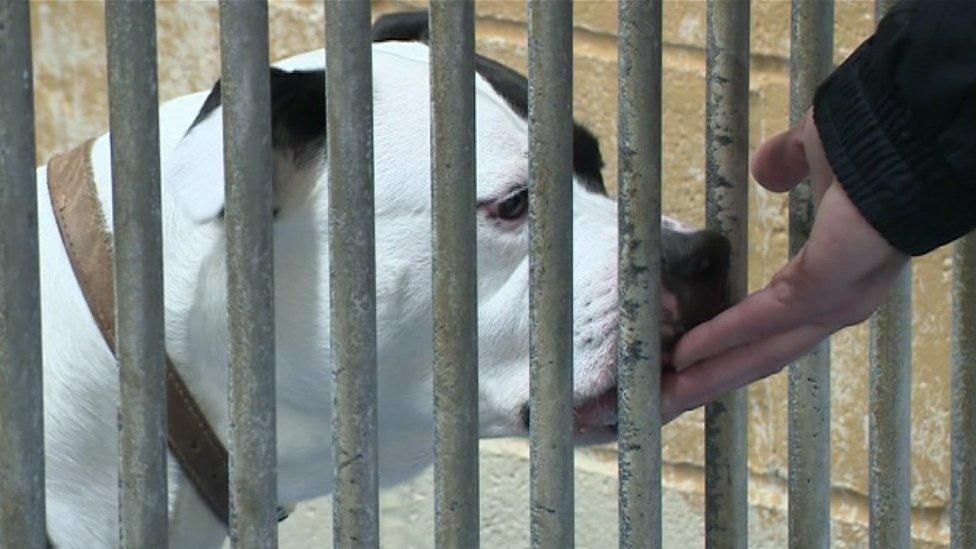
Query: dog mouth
[595,419]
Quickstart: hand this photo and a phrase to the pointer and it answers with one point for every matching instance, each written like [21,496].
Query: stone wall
[69,58]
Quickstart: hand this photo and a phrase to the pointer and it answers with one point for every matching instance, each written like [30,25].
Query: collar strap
[71,182]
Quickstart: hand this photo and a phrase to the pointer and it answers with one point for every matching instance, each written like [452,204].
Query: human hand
[839,277]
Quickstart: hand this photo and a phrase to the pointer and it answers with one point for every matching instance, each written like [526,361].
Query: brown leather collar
[71,182]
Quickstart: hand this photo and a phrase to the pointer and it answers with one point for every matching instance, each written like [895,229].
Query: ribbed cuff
[898,182]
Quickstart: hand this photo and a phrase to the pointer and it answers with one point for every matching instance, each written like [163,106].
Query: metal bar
[138,243]
[639,226]
[727,177]
[21,409]
[811,48]
[551,272]
[349,116]
[963,505]
[890,420]
[454,198]
[249,190]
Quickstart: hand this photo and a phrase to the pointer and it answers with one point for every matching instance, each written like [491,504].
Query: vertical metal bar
[963,505]
[21,408]
[890,418]
[639,227]
[454,197]
[134,123]
[349,116]
[727,177]
[890,422]
[811,48]
[249,176]
[551,272]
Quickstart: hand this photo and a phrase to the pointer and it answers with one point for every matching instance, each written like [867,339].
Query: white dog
[81,376]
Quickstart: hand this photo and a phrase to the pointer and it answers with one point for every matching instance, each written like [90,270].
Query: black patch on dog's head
[297,113]
[297,110]
[407,26]
[512,86]
[298,101]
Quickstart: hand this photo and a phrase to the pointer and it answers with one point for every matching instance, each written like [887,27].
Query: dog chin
[595,419]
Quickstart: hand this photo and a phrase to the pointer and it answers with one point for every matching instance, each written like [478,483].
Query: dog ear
[298,142]
[405,27]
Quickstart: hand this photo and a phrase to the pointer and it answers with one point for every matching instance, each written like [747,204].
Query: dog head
[695,262]
[695,265]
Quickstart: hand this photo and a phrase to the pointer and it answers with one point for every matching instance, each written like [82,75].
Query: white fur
[80,375]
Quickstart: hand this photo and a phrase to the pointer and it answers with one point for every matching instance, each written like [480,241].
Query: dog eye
[515,206]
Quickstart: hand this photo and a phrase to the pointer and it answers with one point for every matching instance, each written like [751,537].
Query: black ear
[297,110]
[587,160]
[508,83]
[514,88]
[297,128]
[405,27]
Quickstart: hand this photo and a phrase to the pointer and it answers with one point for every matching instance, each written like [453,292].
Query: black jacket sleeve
[898,123]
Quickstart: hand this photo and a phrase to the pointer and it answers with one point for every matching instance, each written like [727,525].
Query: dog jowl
[81,378]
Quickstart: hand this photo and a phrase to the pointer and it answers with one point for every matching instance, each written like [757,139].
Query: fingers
[772,310]
[781,161]
[714,377]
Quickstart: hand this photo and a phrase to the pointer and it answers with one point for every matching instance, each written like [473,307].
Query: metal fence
[248,160]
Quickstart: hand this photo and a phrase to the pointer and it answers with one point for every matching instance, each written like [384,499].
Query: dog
[81,374]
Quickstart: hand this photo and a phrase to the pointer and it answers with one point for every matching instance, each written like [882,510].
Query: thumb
[780,163]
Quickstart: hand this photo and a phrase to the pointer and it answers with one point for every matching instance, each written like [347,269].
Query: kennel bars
[352,288]
[890,417]
[138,240]
[811,48]
[250,198]
[249,202]
[551,272]
[454,199]
[639,268]
[21,408]
[726,211]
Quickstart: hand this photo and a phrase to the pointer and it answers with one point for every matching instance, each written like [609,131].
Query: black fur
[408,26]
[298,101]
[512,86]
[297,110]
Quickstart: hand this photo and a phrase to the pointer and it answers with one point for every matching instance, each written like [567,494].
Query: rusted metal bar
[349,117]
[248,170]
[890,418]
[963,506]
[727,177]
[138,245]
[454,201]
[890,423]
[551,271]
[639,351]
[811,48]
[21,410]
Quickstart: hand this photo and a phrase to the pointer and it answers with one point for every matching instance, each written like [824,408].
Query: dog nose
[699,257]
[695,268]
